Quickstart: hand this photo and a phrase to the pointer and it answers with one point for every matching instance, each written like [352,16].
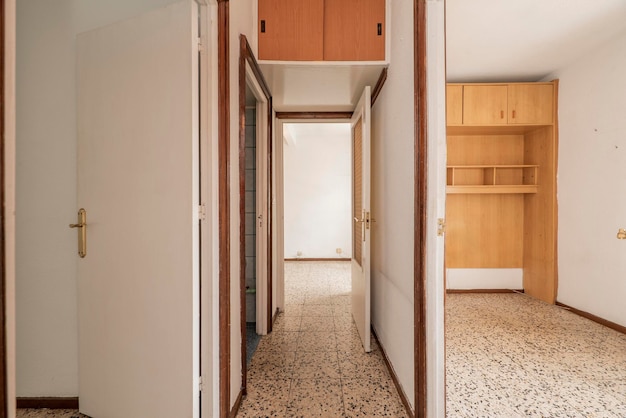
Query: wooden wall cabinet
[501,177]
[322,30]
[291,30]
[501,104]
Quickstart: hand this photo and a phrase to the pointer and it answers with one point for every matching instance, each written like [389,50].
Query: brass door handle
[357,220]
[82,233]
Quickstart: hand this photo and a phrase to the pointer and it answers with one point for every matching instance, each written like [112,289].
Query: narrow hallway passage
[313,364]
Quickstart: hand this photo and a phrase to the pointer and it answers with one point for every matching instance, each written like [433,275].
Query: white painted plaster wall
[46,257]
[317,164]
[393,133]
[592,182]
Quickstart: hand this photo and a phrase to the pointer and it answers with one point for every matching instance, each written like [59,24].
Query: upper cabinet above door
[322,30]
[291,30]
[354,30]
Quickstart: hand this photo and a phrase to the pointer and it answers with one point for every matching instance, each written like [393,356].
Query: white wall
[592,182]
[46,257]
[393,133]
[318,190]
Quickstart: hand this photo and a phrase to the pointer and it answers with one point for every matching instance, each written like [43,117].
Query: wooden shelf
[492,179]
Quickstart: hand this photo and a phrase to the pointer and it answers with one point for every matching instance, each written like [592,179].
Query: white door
[361,224]
[138,296]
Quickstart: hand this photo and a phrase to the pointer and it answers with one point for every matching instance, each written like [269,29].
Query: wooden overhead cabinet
[322,30]
[484,105]
[354,30]
[530,104]
[291,30]
[454,105]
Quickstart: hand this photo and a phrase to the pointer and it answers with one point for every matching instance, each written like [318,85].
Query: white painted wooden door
[361,223]
[137,90]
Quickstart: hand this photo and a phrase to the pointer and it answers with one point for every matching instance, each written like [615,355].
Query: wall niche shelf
[492,179]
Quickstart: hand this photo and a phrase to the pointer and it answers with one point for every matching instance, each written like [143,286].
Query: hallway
[313,364]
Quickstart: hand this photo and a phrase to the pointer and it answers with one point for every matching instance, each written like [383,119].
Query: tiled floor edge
[394,377]
[592,317]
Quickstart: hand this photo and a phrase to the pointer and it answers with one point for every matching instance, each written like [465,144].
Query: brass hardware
[502,114]
[621,233]
[364,221]
[514,114]
[82,233]
[441,227]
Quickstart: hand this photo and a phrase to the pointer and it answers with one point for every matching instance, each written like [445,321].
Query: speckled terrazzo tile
[287,323]
[271,365]
[49,413]
[317,299]
[266,398]
[353,366]
[317,341]
[279,341]
[317,310]
[293,310]
[316,365]
[367,397]
[591,400]
[316,398]
[343,322]
[318,323]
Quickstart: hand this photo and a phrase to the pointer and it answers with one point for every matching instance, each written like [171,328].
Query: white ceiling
[295,132]
[525,40]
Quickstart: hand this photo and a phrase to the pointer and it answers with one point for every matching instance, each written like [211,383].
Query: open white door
[361,225]
[138,286]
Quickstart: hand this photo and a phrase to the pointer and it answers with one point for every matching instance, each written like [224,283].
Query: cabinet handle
[502,114]
[514,114]
[380,29]
[262,26]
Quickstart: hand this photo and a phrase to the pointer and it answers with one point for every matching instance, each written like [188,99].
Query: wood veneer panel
[484,104]
[540,218]
[294,30]
[454,105]
[530,103]
[484,231]
[351,31]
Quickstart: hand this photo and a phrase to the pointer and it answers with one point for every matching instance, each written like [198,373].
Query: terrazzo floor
[508,355]
[313,364]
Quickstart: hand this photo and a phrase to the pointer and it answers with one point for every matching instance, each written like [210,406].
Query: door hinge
[200,384]
[441,227]
[202,212]
[200,46]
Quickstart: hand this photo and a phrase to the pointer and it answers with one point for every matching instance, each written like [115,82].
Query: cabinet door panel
[351,30]
[291,30]
[530,104]
[454,105]
[484,105]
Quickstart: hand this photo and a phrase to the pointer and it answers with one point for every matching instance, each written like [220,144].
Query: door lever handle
[82,232]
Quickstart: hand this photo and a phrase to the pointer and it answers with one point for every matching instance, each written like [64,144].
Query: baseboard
[452,291]
[47,402]
[394,377]
[592,317]
[237,405]
[317,259]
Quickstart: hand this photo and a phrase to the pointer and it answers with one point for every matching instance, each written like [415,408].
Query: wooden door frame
[419,205]
[4,402]
[246,58]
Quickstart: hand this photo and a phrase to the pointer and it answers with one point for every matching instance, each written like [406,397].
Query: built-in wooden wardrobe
[501,180]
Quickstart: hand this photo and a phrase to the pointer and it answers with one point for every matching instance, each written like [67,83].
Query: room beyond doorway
[317,191]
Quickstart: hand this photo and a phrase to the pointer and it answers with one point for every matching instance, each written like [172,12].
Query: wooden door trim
[223,128]
[419,266]
[246,56]
[4,401]
[313,115]
[379,86]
